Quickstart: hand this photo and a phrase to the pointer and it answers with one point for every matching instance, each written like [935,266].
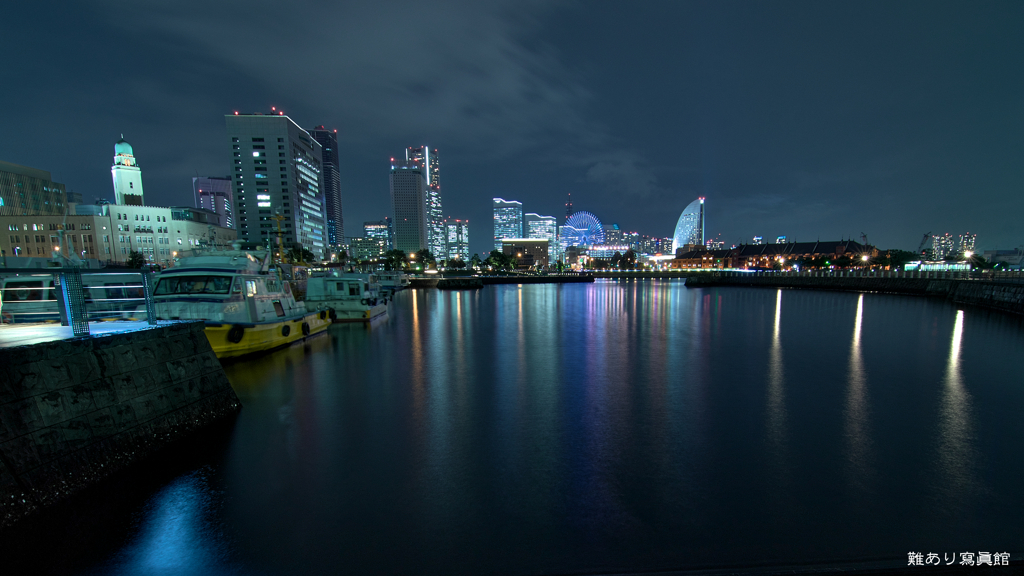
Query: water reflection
[956,437]
[776,392]
[856,410]
[175,535]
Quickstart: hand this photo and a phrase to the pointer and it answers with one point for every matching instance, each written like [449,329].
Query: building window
[257,139]
[234,139]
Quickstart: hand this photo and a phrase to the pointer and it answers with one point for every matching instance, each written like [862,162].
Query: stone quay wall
[74,411]
[1004,295]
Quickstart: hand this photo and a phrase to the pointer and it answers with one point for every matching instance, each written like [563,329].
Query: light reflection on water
[617,426]
[857,420]
[956,449]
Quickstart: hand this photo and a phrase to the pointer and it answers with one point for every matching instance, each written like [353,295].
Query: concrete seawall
[74,411]
[1006,296]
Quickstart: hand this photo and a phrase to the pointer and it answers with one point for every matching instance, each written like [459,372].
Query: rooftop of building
[24,171]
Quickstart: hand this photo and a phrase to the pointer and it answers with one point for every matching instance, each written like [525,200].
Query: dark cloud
[804,119]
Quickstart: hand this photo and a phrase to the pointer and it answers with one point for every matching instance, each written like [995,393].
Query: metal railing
[76,296]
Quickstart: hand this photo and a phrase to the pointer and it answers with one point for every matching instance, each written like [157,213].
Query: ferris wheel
[583,228]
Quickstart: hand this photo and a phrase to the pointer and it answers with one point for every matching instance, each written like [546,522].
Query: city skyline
[804,120]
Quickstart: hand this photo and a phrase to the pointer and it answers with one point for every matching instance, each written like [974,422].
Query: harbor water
[619,426]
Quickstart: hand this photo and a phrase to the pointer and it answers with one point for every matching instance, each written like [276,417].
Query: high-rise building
[277,174]
[458,238]
[966,243]
[331,171]
[946,246]
[430,161]
[537,226]
[690,226]
[508,220]
[27,191]
[379,230]
[942,246]
[409,204]
[613,235]
[127,176]
[366,248]
[213,193]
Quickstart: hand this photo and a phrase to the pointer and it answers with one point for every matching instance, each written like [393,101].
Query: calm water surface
[616,426]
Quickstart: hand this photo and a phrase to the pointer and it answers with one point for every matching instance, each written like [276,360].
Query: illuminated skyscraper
[508,220]
[458,238]
[690,226]
[409,203]
[538,226]
[430,161]
[379,230]
[331,170]
[277,171]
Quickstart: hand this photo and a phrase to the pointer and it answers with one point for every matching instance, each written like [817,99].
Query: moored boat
[247,307]
[351,297]
[392,282]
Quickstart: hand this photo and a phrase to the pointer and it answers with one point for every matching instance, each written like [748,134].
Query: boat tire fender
[332,313]
[323,314]
[286,330]
[235,334]
[305,328]
[364,301]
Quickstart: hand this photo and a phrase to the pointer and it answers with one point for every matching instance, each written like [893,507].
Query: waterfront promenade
[1000,291]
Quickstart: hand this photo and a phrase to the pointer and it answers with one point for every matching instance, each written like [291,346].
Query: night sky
[808,119]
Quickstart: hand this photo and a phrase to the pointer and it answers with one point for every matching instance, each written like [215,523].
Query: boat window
[278,308]
[236,287]
[193,285]
[353,289]
[273,286]
[339,286]
[19,291]
[250,288]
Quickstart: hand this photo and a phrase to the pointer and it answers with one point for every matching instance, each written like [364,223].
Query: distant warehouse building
[766,256]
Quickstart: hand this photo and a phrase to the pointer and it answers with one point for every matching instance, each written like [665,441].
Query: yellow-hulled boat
[246,306]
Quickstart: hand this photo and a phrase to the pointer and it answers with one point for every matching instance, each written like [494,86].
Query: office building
[537,226]
[28,191]
[408,182]
[127,176]
[212,193]
[331,172]
[690,226]
[109,233]
[528,252]
[508,220]
[613,235]
[457,239]
[379,230]
[369,248]
[277,174]
[430,162]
